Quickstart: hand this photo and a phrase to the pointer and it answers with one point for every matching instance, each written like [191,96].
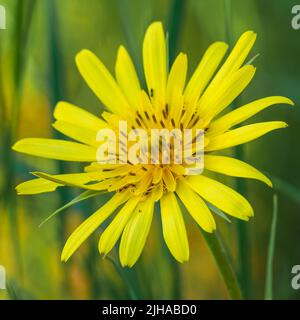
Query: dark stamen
[164,114]
[195,121]
[167,109]
[138,122]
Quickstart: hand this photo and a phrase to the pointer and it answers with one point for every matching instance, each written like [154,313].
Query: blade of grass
[175,24]
[219,212]
[252,59]
[131,291]
[223,260]
[23,20]
[271,250]
[228,21]
[224,264]
[285,187]
[244,270]
[83,196]
[16,292]
[130,37]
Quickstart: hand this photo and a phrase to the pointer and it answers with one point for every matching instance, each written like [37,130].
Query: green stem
[228,21]
[57,92]
[224,265]
[131,291]
[271,250]
[244,271]
[175,20]
[23,20]
[128,28]
[21,33]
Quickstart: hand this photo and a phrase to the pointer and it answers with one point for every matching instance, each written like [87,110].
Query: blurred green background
[37,69]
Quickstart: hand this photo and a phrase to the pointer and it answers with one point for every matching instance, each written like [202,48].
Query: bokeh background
[37,69]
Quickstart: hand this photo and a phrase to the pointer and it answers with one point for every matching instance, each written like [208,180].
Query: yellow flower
[169,103]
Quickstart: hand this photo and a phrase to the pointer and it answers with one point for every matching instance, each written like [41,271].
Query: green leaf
[219,212]
[121,271]
[252,59]
[83,196]
[223,263]
[286,188]
[271,250]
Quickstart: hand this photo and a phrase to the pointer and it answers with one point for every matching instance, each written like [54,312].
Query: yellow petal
[113,232]
[56,149]
[173,226]
[67,112]
[245,112]
[127,78]
[84,135]
[155,61]
[157,192]
[169,180]
[195,206]
[243,134]
[221,196]
[91,224]
[157,174]
[101,82]
[234,168]
[176,82]
[135,233]
[36,186]
[234,61]
[211,105]
[78,180]
[204,72]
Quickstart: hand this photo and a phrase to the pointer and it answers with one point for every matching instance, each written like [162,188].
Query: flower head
[171,102]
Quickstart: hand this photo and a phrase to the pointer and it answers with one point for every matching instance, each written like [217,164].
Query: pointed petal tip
[249,33]
[212,230]
[16,145]
[121,51]
[101,248]
[249,36]
[63,257]
[268,182]
[84,53]
[251,68]
[19,145]
[126,264]
[184,259]
[155,24]
[290,102]
[220,45]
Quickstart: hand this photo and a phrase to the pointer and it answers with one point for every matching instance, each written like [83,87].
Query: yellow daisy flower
[171,102]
